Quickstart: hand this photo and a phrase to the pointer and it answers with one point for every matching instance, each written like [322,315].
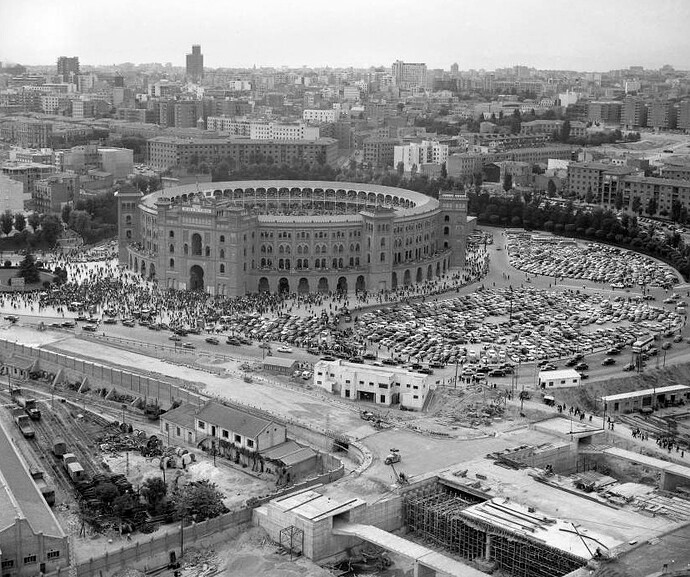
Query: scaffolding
[291,539]
[438,517]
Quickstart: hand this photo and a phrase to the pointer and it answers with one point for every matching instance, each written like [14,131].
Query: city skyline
[588,36]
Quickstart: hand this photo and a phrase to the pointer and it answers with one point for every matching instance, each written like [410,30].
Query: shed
[559,379]
[281,365]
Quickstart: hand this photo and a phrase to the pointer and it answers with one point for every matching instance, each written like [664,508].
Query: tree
[28,270]
[65,214]
[50,228]
[636,205]
[19,222]
[551,188]
[565,131]
[34,221]
[507,181]
[652,206]
[154,491]
[400,168]
[201,498]
[80,222]
[106,493]
[6,222]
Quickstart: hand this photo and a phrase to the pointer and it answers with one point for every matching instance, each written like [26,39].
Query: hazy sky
[596,35]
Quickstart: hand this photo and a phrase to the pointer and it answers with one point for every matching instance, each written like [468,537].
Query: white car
[284,349]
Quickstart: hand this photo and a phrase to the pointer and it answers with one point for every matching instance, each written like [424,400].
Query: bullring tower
[454,225]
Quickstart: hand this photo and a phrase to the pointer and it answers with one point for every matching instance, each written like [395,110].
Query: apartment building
[379,151]
[54,192]
[602,180]
[634,112]
[604,112]
[320,115]
[381,385]
[27,173]
[409,75]
[165,152]
[663,190]
[662,115]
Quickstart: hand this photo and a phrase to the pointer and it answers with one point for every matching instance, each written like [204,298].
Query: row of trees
[33,232]
[93,218]
[535,212]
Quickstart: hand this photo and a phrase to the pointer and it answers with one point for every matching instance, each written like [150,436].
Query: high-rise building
[408,75]
[662,115]
[634,112]
[195,63]
[684,115]
[68,68]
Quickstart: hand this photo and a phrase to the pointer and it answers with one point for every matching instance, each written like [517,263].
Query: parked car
[581,366]
[188,346]
[174,337]
[284,349]
[608,361]
[212,340]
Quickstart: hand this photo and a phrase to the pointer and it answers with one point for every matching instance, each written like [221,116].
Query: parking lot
[558,258]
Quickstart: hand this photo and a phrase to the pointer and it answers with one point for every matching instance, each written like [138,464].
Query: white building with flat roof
[646,399]
[320,115]
[559,379]
[381,385]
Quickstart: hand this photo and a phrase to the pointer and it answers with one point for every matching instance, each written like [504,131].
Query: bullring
[239,237]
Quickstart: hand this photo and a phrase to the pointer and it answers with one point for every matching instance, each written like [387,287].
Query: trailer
[59,448]
[29,406]
[73,467]
[21,419]
[46,490]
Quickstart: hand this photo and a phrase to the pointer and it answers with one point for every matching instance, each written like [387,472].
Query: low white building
[12,195]
[559,379]
[381,385]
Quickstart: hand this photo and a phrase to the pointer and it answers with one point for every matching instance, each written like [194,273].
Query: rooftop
[19,496]
[645,393]
[232,419]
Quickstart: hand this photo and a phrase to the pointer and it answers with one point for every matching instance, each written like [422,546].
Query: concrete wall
[563,457]
[156,552]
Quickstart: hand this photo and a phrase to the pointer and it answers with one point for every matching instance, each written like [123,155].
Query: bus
[643,344]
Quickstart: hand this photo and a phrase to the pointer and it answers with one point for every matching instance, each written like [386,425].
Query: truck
[46,490]
[23,422]
[29,406]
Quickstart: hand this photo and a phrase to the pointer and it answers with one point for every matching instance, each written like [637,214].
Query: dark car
[608,361]
[497,373]
[212,340]
[581,366]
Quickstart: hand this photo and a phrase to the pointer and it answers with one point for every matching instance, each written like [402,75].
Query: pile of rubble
[200,563]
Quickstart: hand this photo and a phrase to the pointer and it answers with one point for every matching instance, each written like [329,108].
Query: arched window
[196,244]
[222,238]
[281,249]
[222,253]
[383,243]
[335,263]
[186,249]
[128,234]
[208,251]
[171,234]
[222,269]
[446,230]
[317,249]
[172,263]
[299,249]
[383,257]
[352,261]
[305,263]
[317,264]
[446,218]
[128,220]
[172,248]
[340,263]
[287,264]
[281,264]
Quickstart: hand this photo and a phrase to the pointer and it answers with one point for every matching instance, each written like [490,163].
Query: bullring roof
[422,203]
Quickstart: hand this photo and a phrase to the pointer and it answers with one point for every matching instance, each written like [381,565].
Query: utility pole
[457,361]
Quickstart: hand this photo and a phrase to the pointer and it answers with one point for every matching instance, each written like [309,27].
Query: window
[222,253]
[171,234]
[202,425]
[172,248]
[177,431]
[222,238]
[172,263]
[128,234]
[167,427]
[29,559]
[222,269]
[383,398]
[347,393]
[238,439]
[225,434]
[208,251]
[196,244]
[383,385]
[128,220]
[250,443]
[8,564]
[383,257]
[53,554]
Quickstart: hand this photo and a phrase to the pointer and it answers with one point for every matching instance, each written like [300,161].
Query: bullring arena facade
[234,238]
